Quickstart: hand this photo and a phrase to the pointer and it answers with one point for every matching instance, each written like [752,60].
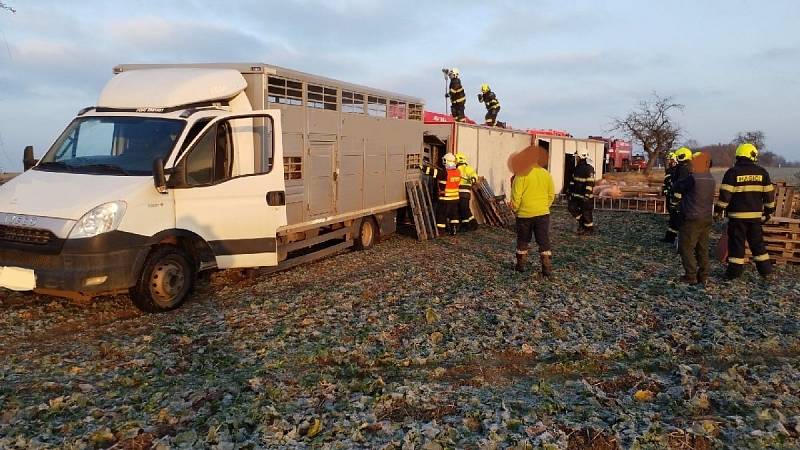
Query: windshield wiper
[47,165]
[107,168]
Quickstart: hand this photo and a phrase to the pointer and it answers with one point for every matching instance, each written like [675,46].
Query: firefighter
[680,170]
[581,193]
[488,98]
[458,98]
[532,194]
[468,178]
[430,175]
[447,207]
[666,190]
[747,196]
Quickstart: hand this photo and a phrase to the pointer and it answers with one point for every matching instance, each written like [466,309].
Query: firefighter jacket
[581,186]
[490,100]
[468,177]
[746,191]
[681,171]
[449,180]
[532,193]
[457,94]
[666,188]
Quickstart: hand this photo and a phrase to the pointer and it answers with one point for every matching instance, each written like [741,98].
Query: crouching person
[696,206]
[532,193]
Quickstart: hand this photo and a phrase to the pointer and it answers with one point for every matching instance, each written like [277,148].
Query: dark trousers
[674,224]
[447,215]
[693,247]
[582,210]
[537,227]
[491,116]
[457,110]
[739,231]
[468,221]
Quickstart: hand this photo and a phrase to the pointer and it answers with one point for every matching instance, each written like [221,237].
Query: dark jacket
[697,201]
[581,186]
[490,100]
[746,191]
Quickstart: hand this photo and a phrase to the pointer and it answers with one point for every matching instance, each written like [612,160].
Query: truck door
[320,188]
[229,188]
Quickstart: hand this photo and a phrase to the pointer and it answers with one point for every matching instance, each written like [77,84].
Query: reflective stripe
[589,188]
[746,188]
[522,252]
[769,205]
[733,260]
[456,91]
[578,216]
[722,205]
[442,182]
[468,220]
[466,191]
[678,195]
[441,225]
[744,215]
[581,179]
[460,100]
[761,258]
[455,221]
[547,253]
[672,230]
[590,224]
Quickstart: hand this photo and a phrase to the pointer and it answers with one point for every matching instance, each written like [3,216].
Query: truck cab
[171,173]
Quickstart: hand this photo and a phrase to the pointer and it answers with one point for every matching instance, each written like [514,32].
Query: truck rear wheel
[368,234]
[165,281]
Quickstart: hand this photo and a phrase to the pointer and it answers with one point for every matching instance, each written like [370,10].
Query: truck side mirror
[27,158]
[159,177]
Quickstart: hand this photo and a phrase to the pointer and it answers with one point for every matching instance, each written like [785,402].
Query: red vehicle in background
[619,155]
[638,162]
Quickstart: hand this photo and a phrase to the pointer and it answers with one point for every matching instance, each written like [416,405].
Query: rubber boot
[669,237]
[547,265]
[764,269]
[522,262]
[733,271]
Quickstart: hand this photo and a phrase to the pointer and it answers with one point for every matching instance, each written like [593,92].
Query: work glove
[765,218]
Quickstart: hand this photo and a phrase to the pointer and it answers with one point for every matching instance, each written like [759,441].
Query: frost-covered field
[420,345]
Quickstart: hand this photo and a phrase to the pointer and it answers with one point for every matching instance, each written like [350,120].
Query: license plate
[17,278]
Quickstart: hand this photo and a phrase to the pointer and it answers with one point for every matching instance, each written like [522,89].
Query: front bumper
[117,256]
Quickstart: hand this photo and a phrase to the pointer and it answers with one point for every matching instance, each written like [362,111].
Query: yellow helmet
[683,154]
[748,151]
[696,154]
[484,88]
[671,156]
[460,158]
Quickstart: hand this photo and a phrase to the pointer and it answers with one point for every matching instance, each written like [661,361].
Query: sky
[569,65]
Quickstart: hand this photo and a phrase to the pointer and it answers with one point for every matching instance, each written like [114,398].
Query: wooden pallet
[419,200]
[782,239]
[494,208]
[787,203]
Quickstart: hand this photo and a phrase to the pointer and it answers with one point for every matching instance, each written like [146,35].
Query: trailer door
[320,187]
[229,188]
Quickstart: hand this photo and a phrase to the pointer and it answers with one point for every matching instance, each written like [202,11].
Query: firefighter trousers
[457,110]
[674,224]
[491,116]
[739,232]
[582,209]
[447,215]
[468,221]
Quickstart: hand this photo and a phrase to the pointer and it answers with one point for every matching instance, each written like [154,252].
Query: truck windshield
[112,145]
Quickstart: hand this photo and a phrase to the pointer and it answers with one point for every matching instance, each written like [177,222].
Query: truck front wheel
[165,281]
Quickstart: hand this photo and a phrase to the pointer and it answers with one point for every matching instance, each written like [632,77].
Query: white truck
[180,169]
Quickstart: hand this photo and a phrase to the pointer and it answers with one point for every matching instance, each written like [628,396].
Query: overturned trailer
[488,148]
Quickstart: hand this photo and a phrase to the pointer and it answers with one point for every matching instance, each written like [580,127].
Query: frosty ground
[436,344]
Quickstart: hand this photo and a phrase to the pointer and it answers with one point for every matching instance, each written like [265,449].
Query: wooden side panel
[350,195]
[319,179]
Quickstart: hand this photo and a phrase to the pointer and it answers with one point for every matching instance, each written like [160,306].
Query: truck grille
[25,235]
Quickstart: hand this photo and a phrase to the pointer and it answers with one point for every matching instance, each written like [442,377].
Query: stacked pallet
[419,200]
[494,208]
[782,238]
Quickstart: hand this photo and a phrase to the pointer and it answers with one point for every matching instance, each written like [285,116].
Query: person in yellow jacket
[532,194]
[468,178]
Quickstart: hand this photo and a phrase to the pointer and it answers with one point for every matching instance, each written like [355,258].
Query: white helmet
[583,154]
[449,160]
[454,73]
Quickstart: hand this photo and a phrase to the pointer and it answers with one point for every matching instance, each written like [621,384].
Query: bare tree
[7,8]
[652,126]
[755,137]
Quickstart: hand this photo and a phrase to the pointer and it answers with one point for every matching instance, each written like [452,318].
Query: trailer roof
[279,71]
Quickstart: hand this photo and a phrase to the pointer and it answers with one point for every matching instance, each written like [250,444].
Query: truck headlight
[101,219]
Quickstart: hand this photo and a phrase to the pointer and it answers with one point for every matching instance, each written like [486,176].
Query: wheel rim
[367,233]
[167,282]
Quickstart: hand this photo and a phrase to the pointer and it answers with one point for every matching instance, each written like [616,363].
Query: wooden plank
[413,199]
[429,214]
